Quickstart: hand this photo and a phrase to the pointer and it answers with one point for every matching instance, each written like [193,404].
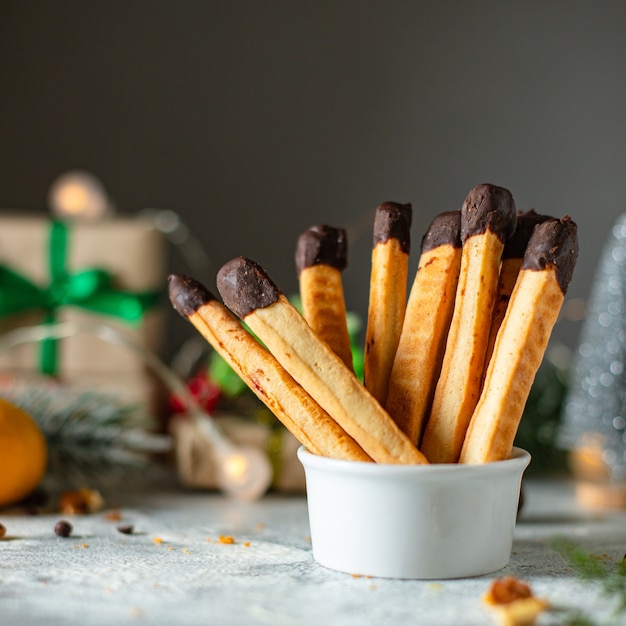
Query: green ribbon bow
[90,289]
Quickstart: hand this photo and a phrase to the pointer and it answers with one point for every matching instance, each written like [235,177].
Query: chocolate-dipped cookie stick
[429,310]
[251,294]
[302,416]
[321,256]
[522,340]
[487,221]
[512,257]
[387,294]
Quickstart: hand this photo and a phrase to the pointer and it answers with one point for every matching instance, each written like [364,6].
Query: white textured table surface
[100,576]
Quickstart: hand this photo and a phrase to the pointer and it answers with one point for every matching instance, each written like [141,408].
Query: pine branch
[90,435]
[592,568]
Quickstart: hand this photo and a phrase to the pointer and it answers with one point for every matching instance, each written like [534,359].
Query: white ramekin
[413,521]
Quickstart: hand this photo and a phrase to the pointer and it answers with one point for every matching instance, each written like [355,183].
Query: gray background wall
[255,120]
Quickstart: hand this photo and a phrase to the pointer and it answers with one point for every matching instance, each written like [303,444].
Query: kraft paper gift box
[110,272]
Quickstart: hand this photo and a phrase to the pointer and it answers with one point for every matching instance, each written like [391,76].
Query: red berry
[203,390]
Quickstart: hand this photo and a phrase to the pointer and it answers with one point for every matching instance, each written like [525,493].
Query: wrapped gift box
[129,256]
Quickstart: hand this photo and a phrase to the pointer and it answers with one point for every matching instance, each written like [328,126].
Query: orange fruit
[23,453]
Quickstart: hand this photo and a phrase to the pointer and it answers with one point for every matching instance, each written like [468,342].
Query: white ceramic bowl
[413,521]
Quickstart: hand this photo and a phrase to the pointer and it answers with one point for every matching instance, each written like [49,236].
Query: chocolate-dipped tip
[322,245]
[488,207]
[393,221]
[554,243]
[245,286]
[445,229]
[515,246]
[187,295]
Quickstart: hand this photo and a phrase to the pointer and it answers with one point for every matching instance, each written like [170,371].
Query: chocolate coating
[187,295]
[245,286]
[393,221]
[445,229]
[322,245]
[488,207]
[554,242]
[515,247]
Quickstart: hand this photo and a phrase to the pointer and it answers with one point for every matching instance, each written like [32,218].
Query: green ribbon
[90,289]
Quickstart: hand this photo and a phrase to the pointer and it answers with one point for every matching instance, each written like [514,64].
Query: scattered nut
[3,530]
[507,589]
[80,502]
[514,602]
[63,528]
[126,529]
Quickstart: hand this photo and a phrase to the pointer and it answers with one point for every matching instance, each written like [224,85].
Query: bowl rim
[518,460]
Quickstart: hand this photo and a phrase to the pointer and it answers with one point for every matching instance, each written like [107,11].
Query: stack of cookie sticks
[488,219]
[447,371]
[308,422]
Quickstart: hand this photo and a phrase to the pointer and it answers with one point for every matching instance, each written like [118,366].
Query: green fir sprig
[610,577]
[92,437]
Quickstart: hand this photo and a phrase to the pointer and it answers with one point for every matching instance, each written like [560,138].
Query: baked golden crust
[301,415]
[521,342]
[387,306]
[518,351]
[422,342]
[330,383]
[512,256]
[459,383]
[324,308]
[509,270]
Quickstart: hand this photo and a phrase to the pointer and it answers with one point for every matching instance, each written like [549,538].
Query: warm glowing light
[78,195]
[245,473]
[236,467]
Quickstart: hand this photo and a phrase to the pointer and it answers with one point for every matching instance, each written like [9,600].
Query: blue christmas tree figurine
[594,420]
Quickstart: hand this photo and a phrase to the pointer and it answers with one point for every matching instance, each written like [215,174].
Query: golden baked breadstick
[321,256]
[429,310]
[512,256]
[252,295]
[302,416]
[387,295]
[522,340]
[487,220]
